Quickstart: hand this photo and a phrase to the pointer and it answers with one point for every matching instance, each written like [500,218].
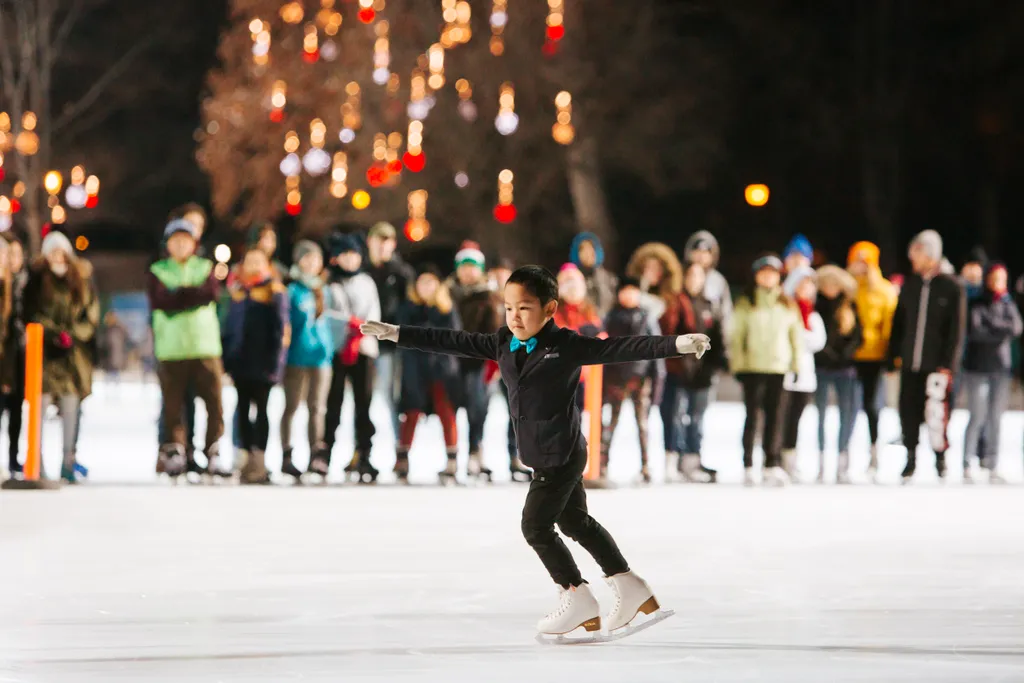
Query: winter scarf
[806,308]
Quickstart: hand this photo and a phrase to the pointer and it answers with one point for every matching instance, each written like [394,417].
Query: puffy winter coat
[312,341]
[929,324]
[627,322]
[766,336]
[716,289]
[420,369]
[601,284]
[657,297]
[183,298]
[65,304]
[840,346]
[478,307]
[348,297]
[876,305]
[812,339]
[694,315]
[256,331]
[993,323]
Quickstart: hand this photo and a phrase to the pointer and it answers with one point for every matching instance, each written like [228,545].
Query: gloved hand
[693,343]
[382,331]
[64,340]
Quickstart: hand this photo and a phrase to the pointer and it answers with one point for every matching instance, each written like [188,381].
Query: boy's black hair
[536,280]
[184,209]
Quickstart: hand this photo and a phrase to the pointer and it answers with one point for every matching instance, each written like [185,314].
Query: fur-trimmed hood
[846,282]
[702,236]
[672,283]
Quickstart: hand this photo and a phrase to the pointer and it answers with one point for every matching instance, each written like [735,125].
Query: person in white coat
[801,285]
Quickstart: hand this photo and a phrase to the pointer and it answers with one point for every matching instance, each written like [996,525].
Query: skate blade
[604,636]
[591,634]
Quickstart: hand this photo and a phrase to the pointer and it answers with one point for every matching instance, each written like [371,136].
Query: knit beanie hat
[767,261]
[303,248]
[469,252]
[798,245]
[343,242]
[863,251]
[931,242]
[794,279]
[58,241]
[176,226]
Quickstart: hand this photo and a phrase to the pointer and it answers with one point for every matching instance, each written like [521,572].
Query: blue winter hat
[799,245]
[343,242]
[595,241]
[179,225]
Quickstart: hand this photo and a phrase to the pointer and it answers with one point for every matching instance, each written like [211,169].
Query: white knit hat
[470,252]
[931,242]
[56,241]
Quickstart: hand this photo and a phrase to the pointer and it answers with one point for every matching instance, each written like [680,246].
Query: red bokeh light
[92,201]
[414,162]
[293,209]
[556,32]
[505,213]
[15,205]
[377,175]
[277,115]
[45,230]
[366,15]
[394,167]
[3,173]
[311,57]
[414,231]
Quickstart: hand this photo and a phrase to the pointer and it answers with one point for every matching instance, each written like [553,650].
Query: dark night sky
[793,126]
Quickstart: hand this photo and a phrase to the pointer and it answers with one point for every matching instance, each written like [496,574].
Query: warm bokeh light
[360,199]
[81,243]
[756,194]
[53,181]
[222,253]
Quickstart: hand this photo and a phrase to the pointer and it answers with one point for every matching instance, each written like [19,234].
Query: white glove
[382,331]
[693,343]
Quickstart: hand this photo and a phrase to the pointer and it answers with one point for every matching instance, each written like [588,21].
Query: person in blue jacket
[307,377]
[255,339]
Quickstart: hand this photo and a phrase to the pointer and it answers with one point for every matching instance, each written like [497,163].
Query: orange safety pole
[593,403]
[34,396]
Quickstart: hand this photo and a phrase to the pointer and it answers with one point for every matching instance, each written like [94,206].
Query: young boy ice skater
[540,362]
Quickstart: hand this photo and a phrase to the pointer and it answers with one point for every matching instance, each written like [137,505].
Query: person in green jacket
[764,344]
[183,292]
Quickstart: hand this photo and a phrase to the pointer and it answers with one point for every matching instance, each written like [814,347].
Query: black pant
[254,434]
[869,373]
[556,496]
[924,401]
[793,408]
[361,376]
[762,393]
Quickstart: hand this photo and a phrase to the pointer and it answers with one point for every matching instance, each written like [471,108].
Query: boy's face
[256,264]
[629,297]
[524,314]
[268,242]
[181,246]
[312,263]
[587,255]
[469,274]
[350,261]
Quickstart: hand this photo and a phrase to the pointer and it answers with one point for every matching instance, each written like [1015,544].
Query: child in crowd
[351,299]
[801,287]
[256,339]
[541,363]
[688,380]
[641,381]
[186,339]
[307,378]
[764,345]
[834,362]
[430,384]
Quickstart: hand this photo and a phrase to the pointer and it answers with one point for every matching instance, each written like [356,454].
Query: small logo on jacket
[550,356]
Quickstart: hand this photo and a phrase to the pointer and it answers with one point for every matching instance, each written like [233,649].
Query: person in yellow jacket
[765,343]
[876,305]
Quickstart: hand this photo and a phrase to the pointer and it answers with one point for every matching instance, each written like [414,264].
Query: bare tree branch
[66,26]
[101,84]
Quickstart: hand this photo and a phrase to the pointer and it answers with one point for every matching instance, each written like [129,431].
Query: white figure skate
[577,607]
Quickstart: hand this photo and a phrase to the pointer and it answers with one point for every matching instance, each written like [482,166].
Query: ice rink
[149,582]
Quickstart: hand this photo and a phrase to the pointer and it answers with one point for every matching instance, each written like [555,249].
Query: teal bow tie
[530,344]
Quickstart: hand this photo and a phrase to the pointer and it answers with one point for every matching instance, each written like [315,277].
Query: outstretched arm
[435,340]
[591,351]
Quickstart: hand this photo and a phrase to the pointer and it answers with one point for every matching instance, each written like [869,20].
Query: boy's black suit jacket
[541,396]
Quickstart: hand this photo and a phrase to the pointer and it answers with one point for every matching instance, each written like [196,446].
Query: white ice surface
[342,583]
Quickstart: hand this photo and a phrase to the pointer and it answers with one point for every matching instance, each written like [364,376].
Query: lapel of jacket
[533,359]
